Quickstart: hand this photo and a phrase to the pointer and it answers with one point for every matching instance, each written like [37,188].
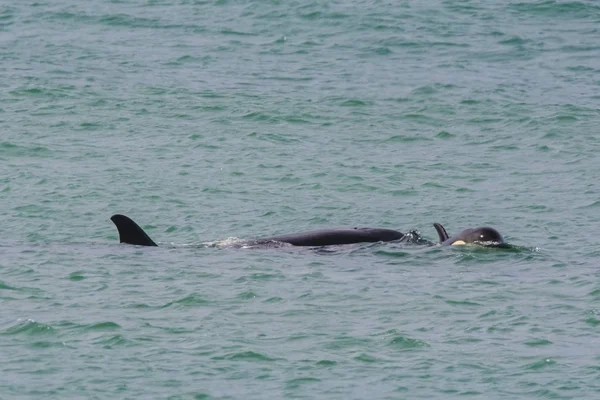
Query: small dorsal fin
[441,232]
[130,232]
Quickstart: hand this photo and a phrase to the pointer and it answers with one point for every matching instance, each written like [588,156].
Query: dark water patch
[366,358]
[505,147]
[249,356]
[5,286]
[537,342]
[192,300]
[33,211]
[581,68]
[428,90]
[111,342]
[398,99]
[326,363]
[44,93]
[405,139]
[514,41]
[77,276]
[487,283]
[347,342]
[295,120]
[215,190]
[444,135]
[434,185]
[130,21]
[404,192]
[188,59]
[273,137]
[541,364]
[101,326]
[275,299]
[417,117]
[212,108]
[554,8]
[484,121]
[406,343]
[312,275]
[260,276]
[290,78]
[462,303]
[6,15]
[299,382]
[592,321]
[209,146]
[566,118]
[595,204]
[595,294]
[246,295]
[44,344]
[171,229]
[536,208]
[142,306]
[392,254]
[193,395]
[12,150]
[381,51]
[466,340]
[311,15]
[231,32]
[92,126]
[355,103]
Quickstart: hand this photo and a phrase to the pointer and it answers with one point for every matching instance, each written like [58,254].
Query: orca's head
[484,236]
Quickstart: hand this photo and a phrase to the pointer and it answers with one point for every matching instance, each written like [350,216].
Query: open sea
[212,121]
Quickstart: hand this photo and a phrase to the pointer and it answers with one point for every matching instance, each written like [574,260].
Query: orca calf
[484,236]
[131,233]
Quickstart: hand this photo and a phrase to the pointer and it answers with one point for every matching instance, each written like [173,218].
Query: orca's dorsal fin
[130,232]
[441,232]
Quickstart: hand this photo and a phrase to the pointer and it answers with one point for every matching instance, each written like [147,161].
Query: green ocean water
[211,120]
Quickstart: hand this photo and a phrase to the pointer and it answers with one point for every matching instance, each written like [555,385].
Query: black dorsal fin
[130,232]
[441,232]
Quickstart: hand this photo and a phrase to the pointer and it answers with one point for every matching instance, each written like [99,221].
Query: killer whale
[131,233]
[485,236]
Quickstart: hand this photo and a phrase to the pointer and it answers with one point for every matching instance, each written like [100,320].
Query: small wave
[250,356]
[406,343]
[545,363]
[13,150]
[559,9]
[29,327]
[5,286]
[112,341]
[591,205]
[297,382]
[259,277]
[187,301]
[102,326]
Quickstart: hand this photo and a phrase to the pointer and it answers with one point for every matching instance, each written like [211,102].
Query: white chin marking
[458,243]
